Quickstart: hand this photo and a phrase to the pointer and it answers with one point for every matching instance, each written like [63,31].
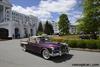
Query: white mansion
[72,28]
[14,24]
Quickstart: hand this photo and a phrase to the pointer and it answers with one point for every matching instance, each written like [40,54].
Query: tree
[48,28]
[91,17]
[51,29]
[40,29]
[63,24]
[91,20]
[81,25]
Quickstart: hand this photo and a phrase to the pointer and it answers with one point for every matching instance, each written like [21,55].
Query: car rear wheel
[24,48]
[46,54]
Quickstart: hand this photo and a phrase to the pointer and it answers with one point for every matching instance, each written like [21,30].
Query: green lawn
[67,37]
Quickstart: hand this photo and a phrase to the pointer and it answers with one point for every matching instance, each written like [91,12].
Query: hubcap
[46,54]
[24,48]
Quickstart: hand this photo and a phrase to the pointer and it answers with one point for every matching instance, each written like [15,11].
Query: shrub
[98,44]
[57,40]
[39,33]
[81,44]
[72,43]
[91,44]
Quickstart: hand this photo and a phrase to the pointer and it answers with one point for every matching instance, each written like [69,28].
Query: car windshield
[43,39]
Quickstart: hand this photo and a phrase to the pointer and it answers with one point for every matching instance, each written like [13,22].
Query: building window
[7,15]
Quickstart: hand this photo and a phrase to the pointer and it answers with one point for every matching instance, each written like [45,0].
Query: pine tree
[51,29]
[63,24]
[40,29]
[48,28]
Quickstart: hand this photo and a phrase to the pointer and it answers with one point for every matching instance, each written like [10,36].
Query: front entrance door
[17,35]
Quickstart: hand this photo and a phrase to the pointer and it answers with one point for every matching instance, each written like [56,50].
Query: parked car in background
[43,46]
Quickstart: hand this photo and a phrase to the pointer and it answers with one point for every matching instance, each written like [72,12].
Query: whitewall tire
[24,48]
[46,54]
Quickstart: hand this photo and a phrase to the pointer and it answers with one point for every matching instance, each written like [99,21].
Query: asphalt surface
[12,55]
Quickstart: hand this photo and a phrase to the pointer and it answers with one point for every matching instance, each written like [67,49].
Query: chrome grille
[63,48]
[56,50]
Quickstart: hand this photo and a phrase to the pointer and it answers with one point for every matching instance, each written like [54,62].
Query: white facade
[72,29]
[55,27]
[16,23]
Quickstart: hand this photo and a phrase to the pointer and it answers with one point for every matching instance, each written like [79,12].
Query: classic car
[43,46]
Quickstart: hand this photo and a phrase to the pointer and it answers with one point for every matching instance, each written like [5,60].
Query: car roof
[37,36]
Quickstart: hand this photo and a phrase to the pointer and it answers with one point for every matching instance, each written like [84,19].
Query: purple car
[43,46]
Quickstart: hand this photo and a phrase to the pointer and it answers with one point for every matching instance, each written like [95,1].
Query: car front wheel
[46,54]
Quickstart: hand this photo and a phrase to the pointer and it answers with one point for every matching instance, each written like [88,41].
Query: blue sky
[25,3]
[49,9]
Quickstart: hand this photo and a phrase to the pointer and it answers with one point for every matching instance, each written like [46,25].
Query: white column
[28,29]
[10,15]
[11,28]
[21,29]
[1,13]
[34,29]
[4,13]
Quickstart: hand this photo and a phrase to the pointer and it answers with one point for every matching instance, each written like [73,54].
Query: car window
[44,39]
[38,40]
[33,40]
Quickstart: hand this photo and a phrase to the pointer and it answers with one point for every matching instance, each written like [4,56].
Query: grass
[75,42]
[70,37]
[67,37]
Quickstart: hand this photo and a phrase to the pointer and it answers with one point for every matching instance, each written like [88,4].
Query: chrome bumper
[59,53]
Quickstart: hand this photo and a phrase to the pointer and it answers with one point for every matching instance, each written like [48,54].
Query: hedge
[91,44]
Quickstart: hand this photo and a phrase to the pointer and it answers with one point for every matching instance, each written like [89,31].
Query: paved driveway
[12,55]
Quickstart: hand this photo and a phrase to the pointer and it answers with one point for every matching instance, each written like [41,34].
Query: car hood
[51,44]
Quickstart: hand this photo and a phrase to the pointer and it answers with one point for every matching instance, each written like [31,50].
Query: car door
[31,42]
[33,45]
[29,45]
[36,47]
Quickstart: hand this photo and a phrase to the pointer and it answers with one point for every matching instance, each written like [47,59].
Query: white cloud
[57,6]
[27,10]
[41,14]
[43,11]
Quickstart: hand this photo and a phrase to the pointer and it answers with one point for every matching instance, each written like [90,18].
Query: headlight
[52,48]
[65,44]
